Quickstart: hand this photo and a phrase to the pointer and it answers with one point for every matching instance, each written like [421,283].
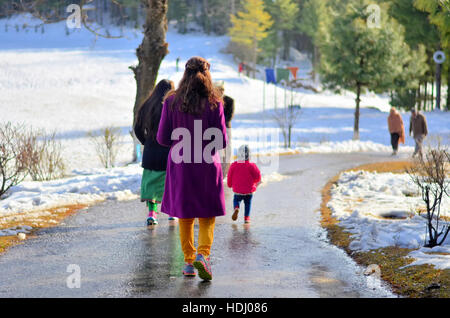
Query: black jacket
[155,156]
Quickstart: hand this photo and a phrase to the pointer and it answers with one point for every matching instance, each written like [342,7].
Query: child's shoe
[235,214]
[152,221]
[203,266]
[246,219]
[188,270]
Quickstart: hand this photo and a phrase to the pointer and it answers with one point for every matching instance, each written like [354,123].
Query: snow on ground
[73,85]
[87,187]
[330,130]
[69,82]
[381,209]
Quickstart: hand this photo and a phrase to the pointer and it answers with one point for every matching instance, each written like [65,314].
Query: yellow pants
[205,237]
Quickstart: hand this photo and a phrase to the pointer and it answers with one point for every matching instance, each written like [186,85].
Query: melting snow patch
[380,210]
[84,188]
[16,230]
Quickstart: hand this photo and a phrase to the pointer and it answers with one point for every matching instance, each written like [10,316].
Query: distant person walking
[154,160]
[419,129]
[243,177]
[396,129]
[241,68]
[192,119]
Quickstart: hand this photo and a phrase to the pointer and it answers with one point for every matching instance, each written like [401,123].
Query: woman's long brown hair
[195,88]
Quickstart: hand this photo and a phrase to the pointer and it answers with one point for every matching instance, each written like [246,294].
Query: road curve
[283,253]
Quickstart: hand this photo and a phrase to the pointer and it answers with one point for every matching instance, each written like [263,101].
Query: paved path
[283,253]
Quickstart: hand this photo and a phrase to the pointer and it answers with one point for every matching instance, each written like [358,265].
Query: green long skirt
[152,185]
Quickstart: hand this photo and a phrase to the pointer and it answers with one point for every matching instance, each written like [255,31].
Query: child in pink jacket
[243,177]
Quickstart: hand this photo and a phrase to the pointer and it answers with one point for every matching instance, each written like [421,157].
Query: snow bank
[380,210]
[86,187]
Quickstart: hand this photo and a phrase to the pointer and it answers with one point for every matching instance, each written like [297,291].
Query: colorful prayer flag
[282,74]
[294,71]
[270,76]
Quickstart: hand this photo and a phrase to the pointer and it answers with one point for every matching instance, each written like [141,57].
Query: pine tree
[178,11]
[315,17]
[284,14]
[250,26]
[357,57]
[419,32]
[405,85]
[215,16]
[439,15]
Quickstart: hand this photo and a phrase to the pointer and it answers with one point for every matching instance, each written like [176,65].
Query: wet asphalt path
[283,253]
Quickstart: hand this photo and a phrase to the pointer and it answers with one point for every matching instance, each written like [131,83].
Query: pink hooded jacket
[243,177]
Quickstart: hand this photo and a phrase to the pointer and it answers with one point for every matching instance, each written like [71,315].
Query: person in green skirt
[154,159]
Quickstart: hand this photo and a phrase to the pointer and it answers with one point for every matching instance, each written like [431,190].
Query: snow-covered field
[382,209]
[73,85]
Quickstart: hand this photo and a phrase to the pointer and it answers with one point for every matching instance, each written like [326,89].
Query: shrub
[106,145]
[13,156]
[45,156]
[430,173]
[286,118]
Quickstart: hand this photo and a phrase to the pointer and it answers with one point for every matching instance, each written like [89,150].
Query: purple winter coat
[194,187]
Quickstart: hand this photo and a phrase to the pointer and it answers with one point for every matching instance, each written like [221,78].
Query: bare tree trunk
[289,135]
[425,101]
[286,45]
[448,87]
[255,57]
[150,53]
[432,94]
[438,86]
[419,98]
[358,101]
[315,63]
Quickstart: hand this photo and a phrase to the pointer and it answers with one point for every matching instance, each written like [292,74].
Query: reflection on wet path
[329,287]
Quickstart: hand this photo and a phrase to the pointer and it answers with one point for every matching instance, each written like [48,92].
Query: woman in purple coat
[193,126]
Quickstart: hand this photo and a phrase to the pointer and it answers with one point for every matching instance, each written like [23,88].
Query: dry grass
[382,167]
[413,281]
[44,219]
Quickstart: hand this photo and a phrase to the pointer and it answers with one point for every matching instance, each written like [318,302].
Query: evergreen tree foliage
[250,26]
[284,14]
[357,57]
[179,11]
[439,15]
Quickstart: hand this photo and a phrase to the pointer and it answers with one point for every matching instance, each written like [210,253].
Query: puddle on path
[327,286]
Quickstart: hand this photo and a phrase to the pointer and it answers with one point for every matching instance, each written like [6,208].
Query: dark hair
[228,109]
[150,111]
[195,88]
